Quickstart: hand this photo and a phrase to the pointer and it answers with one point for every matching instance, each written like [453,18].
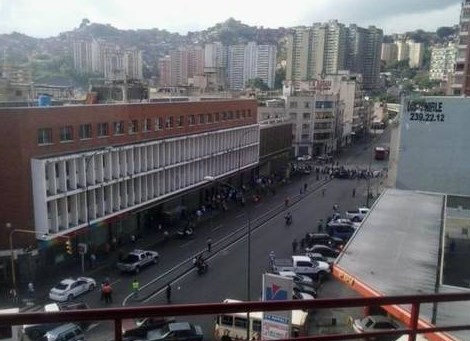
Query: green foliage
[423,82]
[279,78]
[445,32]
[257,83]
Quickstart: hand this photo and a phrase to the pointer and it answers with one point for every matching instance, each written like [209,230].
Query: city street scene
[235,181]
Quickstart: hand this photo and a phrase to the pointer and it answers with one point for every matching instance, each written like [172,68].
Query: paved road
[220,283]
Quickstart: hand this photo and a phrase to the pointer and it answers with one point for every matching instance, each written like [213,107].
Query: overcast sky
[45,18]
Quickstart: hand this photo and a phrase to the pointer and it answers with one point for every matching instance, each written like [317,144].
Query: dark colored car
[325,239]
[340,230]
[140,327]
[329,253]
[37,331]
[174,331]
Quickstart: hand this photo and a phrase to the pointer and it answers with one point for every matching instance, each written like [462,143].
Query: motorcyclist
[288,218]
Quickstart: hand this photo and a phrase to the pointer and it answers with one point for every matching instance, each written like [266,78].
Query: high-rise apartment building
[179,67]
[299,55]
[266,64]
[195,61]
[164,67]
[236,67]
[403,51]
[442,62]
[330,47]
[108,59]
[461,77]
[389,53]
[416,53]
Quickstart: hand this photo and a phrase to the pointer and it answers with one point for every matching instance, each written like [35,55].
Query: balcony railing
[414,324]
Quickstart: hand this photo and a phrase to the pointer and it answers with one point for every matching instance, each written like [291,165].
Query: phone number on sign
[426,117]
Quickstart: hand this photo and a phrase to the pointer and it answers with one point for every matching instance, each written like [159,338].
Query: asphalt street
[226,277]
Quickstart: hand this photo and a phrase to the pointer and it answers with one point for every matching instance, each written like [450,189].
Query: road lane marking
[240,215]
[217,227]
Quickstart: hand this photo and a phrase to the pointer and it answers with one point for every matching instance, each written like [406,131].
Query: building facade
[416,53]
[327,48]
[461,76]
[78,166]
[442,62]
[389,53]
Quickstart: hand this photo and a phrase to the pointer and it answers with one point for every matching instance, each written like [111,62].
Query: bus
[235,324]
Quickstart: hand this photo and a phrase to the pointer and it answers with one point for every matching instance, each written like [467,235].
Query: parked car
[298,279]
[69,288]
[174,331]
[305,289]
[139,327]
[65,332]
[318,257]
[137,259]
[329,253]
[375,323]
[338,230]
[325,239]
[357,215]
[299,295]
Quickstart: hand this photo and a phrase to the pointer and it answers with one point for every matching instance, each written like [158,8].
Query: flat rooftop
[397,251]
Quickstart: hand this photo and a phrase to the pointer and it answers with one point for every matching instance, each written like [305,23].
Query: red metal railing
[118,314]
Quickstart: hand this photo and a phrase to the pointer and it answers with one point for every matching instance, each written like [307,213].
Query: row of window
[318,105]
[66,133]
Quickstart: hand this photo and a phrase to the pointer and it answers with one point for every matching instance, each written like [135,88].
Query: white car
[69,288]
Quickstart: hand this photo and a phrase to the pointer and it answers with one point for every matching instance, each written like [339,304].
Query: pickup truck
[357,215]
[136,260]
[302,265]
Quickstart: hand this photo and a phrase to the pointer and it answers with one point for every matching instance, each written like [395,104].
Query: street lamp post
[13,272]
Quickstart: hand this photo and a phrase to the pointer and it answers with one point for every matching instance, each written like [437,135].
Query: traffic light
[68,247]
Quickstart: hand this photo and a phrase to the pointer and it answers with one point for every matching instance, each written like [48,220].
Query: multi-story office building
[133,64]
[442,62]
[331,47]
[75,167]
[266,64]
[461,76]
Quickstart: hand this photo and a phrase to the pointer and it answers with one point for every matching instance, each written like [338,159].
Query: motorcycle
[202,268]
[185,233]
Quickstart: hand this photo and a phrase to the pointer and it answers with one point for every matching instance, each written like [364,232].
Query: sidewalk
[155,240]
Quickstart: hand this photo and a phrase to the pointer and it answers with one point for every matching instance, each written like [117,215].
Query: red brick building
[65,168]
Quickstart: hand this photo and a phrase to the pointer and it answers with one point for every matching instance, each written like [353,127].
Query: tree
[279,78]
[84,23]
[257,83]
[445,32]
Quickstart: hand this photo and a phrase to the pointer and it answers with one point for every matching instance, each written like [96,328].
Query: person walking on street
[107,292]
[209,244]
[320,225]
[14,295]
[323,190]
[354,192]
[92,260]
[168,293]
[135,288]
[286,201]
[305,187]
[31,290]
[294,246]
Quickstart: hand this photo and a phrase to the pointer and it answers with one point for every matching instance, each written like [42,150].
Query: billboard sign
[276,325]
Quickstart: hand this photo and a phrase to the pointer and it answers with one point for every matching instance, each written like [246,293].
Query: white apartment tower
[179,67]
[299,51]
[236,67]
[389,52]
[266,64]
[416,52]
[442,62]
[331,47]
